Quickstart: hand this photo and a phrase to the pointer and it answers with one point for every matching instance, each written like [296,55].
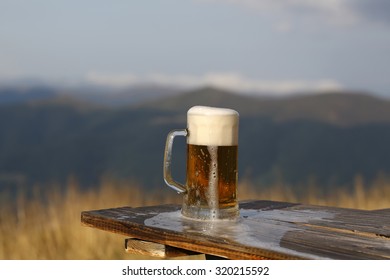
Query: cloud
[229,81]
[373,10]
[114,80]
[333,12]
[336,12]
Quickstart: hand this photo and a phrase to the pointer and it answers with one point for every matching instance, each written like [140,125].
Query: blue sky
[278,46]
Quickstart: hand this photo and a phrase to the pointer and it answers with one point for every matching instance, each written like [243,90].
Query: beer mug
[210,191]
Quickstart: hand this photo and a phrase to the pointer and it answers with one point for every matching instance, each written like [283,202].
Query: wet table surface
[264,230]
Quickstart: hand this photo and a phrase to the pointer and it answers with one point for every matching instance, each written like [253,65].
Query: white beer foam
[211,126]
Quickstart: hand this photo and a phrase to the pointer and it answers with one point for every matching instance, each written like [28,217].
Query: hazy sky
[249,45]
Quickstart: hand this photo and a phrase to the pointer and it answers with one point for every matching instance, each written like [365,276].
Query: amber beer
[212,152]
[211,182]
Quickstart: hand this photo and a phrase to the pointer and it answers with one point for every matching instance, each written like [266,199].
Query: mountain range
[327,138]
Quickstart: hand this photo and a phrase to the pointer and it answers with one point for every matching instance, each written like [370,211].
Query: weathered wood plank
[153,249]
[131,222]
[265,230]
[382,211]
[359,221]
[332,244]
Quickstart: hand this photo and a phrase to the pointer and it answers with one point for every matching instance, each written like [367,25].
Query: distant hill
[339,108]
[102,96]
[12,95]
[327,138]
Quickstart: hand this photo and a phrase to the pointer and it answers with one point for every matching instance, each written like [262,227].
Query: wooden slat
[265,230]
[153,249]
[376,223]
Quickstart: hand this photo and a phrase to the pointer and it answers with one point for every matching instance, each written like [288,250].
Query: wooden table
[264,230]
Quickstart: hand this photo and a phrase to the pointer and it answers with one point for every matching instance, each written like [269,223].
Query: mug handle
[168,160]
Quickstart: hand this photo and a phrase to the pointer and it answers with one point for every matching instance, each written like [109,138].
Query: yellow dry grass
[47,226]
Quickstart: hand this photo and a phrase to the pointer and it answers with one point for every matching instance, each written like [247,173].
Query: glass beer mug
[210,191]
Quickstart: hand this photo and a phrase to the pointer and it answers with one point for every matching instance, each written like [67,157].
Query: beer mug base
[198,213]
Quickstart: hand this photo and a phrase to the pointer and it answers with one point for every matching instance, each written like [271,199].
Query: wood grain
[264,230]
[153,249]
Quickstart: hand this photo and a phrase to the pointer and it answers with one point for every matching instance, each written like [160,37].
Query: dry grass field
[47,226]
